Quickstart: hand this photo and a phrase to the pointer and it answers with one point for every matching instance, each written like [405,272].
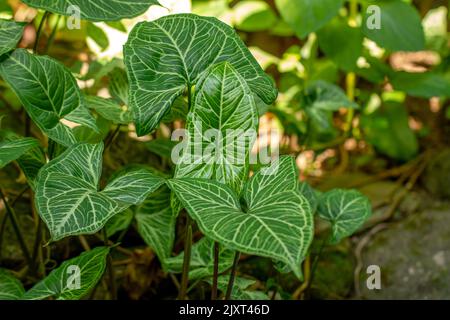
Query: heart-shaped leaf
[165,56]
[306,16]
[224,113]
[202,260]
[10,287]
[156,223]
[10,34]
[346,210]
[67,196]
[276,222]
[73,279]
[119,222]
[48,91]
[95,10]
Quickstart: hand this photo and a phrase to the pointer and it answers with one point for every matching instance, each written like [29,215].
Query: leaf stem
[52,35]
[216,271]
[112,136]
[237,255]
[39,30]
[18,231]
[109,265]
[187,259]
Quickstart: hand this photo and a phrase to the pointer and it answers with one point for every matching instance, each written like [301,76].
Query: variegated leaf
[95,10]
[224,120]
[73,279]
[346,210]
[276,221]
[67,196]
[10,34]
[10,287]
[165,56]
[11,150]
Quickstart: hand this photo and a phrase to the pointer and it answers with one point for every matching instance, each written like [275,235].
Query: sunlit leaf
[95,10]
[306,16]
[165,56]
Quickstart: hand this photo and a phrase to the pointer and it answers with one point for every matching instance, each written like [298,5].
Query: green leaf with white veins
[10,287]
[202,260]
[95,10]
[48,91]
[110,109]
[346,210]
[156,223]
[276,223]
[67,196]
[13,149]
[224,113]
[10,34]
[165,56]
[306,16]
[62,283]
[240,289]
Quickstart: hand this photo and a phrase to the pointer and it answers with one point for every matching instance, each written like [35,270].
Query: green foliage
[10,287]
[400,28]
[95,10]
[180,63]
[10,34]
[59,284]
[67,196]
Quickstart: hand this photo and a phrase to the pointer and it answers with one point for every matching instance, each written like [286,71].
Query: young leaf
[10,34]
[346,210]
[165,56]
[10,287]
[240,289]
[95,10]
[326,96]
[306,16]
[202,260]
[67,196]
[156,223]
[13,149]
[47,90]
[224,108]
[400,27]
[276,223]
[62,283]
[110,109]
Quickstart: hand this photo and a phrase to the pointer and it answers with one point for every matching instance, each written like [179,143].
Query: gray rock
[414,258]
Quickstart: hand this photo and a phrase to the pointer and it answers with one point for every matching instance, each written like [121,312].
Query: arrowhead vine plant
[218,204]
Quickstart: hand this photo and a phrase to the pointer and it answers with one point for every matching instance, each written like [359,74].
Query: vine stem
[188,234]
[52,35]
[187,259]
[18,231]
[237,255]
[112,136]
[39,31]
[351,76]
[109,262]
[216,271]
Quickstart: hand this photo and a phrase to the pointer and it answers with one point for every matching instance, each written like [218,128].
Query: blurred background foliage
[358,107]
